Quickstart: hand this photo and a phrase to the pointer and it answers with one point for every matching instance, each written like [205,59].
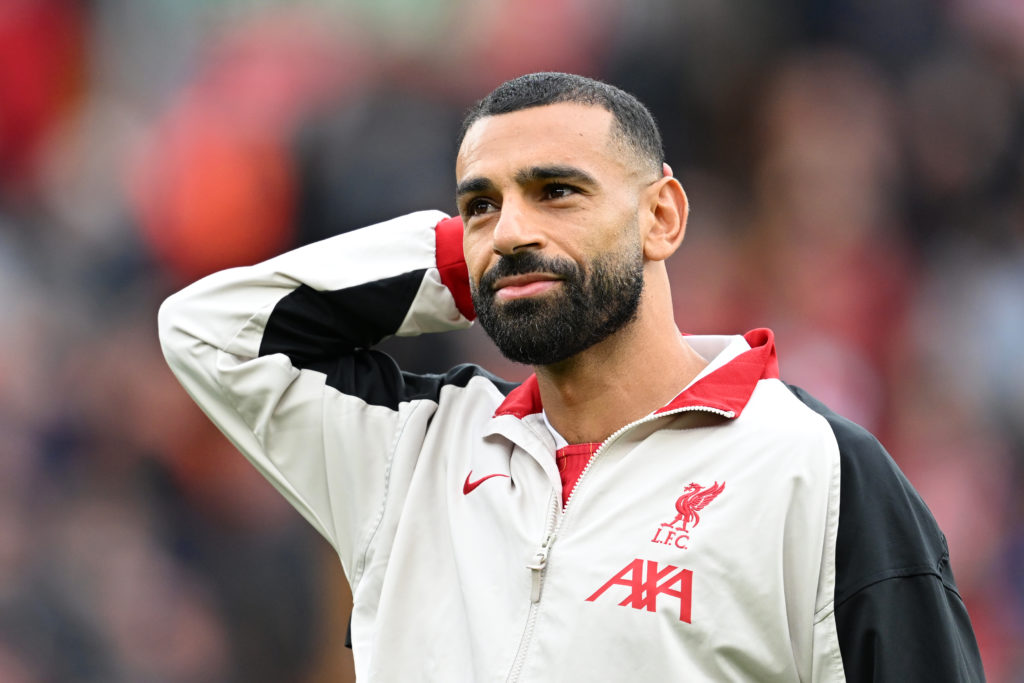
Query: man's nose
[516,229]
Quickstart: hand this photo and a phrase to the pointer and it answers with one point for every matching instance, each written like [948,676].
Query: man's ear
[668,209]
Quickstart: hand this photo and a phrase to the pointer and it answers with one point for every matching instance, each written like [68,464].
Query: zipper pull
[540,561]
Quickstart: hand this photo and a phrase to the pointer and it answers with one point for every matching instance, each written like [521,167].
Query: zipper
[622,430]
[540,559]
[536,567]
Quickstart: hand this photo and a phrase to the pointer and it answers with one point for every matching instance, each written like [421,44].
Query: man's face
[550,205]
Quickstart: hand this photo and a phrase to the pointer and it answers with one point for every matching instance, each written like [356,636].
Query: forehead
[564,134]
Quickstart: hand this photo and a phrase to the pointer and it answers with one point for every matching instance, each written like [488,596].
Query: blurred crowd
[856,175]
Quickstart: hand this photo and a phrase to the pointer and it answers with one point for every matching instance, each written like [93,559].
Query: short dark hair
[633,122]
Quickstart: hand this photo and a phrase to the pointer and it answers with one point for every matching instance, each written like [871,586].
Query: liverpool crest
[688,506]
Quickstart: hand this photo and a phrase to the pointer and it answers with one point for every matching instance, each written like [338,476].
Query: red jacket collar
[727,389]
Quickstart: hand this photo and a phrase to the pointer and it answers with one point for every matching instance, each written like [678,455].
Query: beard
[590,306]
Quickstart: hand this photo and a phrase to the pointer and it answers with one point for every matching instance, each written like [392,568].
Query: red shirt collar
[727,389]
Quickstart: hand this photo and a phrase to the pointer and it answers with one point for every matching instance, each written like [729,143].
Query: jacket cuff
[451,264]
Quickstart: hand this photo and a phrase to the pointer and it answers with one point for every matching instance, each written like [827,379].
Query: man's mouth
[528,284]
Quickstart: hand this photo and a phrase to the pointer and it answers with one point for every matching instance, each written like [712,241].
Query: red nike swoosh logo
[470,485]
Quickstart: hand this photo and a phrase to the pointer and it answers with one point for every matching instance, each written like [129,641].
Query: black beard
[550,328]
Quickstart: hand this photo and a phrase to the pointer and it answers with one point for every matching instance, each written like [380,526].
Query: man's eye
[558,191]
[478,207]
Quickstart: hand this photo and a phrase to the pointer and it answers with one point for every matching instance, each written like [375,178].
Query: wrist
[451,264]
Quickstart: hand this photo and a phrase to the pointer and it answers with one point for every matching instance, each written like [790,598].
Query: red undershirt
[571,461]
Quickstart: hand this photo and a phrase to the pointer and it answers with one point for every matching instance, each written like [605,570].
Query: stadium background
[856,170]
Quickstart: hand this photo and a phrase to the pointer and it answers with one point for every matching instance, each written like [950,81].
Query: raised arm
[278,355]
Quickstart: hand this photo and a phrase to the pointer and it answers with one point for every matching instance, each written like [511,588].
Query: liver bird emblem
[694,499]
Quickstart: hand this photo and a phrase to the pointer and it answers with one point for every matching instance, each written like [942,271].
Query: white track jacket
[741,533]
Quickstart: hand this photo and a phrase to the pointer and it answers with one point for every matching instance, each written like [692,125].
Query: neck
[630,374]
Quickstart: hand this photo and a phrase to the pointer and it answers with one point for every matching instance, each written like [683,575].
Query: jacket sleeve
[278,355]
[898,613]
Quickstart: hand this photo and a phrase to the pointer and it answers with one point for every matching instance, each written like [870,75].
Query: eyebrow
[527,176]
[474,186]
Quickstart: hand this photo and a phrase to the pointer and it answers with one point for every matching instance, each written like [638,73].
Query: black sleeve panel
[375,377]
[910,628]
[898,612]
[331,332]
[308,325]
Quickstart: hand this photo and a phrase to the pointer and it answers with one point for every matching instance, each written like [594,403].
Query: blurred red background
[856,172]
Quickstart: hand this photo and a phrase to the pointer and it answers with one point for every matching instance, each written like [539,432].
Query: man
[647,506]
